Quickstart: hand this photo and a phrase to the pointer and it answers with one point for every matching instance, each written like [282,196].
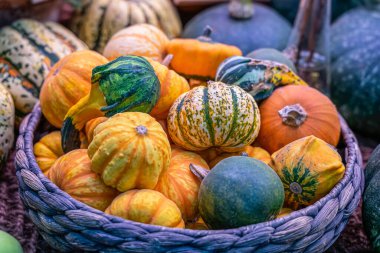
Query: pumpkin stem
[141,130]
[241,9]
[198,171]
[205,37]
[167,60]
[293,115]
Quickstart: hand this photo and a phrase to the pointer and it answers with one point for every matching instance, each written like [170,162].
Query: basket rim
[31,122]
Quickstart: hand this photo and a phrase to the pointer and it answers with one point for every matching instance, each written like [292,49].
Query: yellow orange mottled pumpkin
[141,40]
[146,206]
[67,82]
[47,150]
[309,168]
[172,86]
[254,152]
[72,174]
[179,184]
[130,151]
[90,127]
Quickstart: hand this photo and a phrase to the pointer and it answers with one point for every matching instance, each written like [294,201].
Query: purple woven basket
[67,224]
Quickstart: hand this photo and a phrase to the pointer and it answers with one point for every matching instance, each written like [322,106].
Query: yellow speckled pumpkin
[130,151]
[141,40]
[90,127]
[72,174]
[180,185]
[218,115]
[47,150]
[67,82]
[172,86]
[146,206]
[309,168]
[254,152]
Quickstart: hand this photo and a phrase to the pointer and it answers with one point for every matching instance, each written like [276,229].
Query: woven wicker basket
[68,225]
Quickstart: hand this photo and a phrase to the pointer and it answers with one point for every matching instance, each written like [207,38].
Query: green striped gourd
[7,112]
[28,50]
[128,83]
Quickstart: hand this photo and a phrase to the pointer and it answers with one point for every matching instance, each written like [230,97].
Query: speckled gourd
[7,118]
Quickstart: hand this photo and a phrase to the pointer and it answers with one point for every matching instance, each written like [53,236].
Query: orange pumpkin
[180,185]
[146,206]
[254,152]
[210,154]
[47,150]
[72,174]
[90,127]
[172,86]
[293,112]
[67,82]
[141,40]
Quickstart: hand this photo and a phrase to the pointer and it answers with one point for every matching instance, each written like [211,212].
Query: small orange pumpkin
[146,206]
[180,185]
[293,112]
[90,127]
[141,40]
[47,150]
[67,82]
[72,174]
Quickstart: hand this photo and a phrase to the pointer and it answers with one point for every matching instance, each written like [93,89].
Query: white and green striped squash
[218,115]
[28,50]
[7,118]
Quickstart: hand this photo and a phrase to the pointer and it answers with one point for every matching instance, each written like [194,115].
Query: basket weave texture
[67,224]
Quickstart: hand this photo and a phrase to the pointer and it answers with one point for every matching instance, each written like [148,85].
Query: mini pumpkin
[72,174]
[47,150]
[180,185]
[293,112]
[309,168]
[142,40]
[67,82]
[199,58]
[130,151]
[218,115]
[146,206]
[90,127]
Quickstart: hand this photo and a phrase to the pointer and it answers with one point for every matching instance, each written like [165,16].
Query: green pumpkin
[355,72]
[258,77]
[371,199]
[28,50]
[272,54]
[128,83]
[9,244]
[7,117]
[239,191]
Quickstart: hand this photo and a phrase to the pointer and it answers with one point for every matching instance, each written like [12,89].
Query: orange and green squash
[146,206]
[293,112]
[128,83]
[309,168]
[214,116]
[239,191]
[67,82]
[90,127]
[47,150]
[271,54]
[141,40]
[199,58]
[7,119]
[72,174]
[180,185]
[130,151]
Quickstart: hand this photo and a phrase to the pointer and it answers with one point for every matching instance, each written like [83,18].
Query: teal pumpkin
[28,50]
[7,117]
[271,54]
[371,199]
[128,83]
[355,87]
[257,77]
[251,30]
[239,191]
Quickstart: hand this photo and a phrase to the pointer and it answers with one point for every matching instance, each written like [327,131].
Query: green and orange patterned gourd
[258,77]
[146,206]
[7,118]
[130,151]
[218,115]
[309,168]
[28,50]
[128,83]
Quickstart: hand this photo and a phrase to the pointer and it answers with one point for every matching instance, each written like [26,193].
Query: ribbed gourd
[128,83]
[7,118]
[214,116]
[130,151]
[28,50]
